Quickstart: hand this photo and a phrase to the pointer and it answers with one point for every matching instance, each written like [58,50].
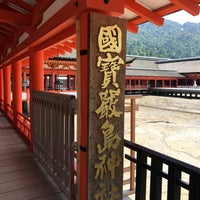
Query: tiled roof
[152,72]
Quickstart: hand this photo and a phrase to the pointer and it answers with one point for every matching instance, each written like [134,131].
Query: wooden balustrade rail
[24,126]
[53,136]
[176,175]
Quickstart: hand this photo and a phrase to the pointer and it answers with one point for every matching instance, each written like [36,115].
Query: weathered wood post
[105,100]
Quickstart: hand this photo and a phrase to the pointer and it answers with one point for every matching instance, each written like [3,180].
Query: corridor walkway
[21,178]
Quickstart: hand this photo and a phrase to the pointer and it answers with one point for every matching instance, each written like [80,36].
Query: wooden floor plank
[17,167]
[17,175]
[31,192]
[12,148]
[14,155]
[57,196]
[12,161]
[21,177]
[22,184]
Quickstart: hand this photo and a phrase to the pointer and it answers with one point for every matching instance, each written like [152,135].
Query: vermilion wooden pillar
[36,63]
[170,83]
[7,87]
[90,89]
[83,74]
[17,90]
[36,70]
[83,70]
[1,85]
[162,83]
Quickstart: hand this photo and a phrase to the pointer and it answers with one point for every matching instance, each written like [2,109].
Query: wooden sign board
[107,59]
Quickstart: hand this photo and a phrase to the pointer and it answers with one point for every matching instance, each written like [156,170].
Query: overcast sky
[182,17]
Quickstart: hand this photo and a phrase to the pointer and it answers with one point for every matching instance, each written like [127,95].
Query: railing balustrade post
[141,174]
[53,129]
[175,172]
[173,188]
[156,179]
[194,191]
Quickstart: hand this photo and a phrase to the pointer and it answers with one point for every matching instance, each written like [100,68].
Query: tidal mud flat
[168,125]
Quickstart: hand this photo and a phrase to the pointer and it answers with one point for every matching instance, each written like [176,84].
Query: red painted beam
[67,72]
[64,48]
[132,27]
[61,25]
[59,50]
[161,11]
[15,17]
[52,52]
[70,44]
[6,30]
[62,20]
[66,17]
[188,5]
[39,9]
[111,7]
[25,62]
[144,12]
[23,5]
[171,8]
[5,39]
[48,54]
[61,37]
[42,5]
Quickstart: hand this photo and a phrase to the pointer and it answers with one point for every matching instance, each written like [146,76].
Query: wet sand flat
[168,125]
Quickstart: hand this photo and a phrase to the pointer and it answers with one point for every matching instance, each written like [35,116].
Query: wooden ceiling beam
[53,51]
[131,27]
[64,48]
[5,39]
[39,9]
[188,5]
[25,6]
[70,44]
[111,7]
[59,50]
[58,39]
[48,54]
[68,49]
[25,62]
[9,27]
[15,17]
[171,8]
[6,30]
[144,12]
[42,5]
[1,49]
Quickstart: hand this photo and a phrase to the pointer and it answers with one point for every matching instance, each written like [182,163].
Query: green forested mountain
[172,40]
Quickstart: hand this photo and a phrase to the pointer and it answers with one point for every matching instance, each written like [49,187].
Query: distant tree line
[172,40]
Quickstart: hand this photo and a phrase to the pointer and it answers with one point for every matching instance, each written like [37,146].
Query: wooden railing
[23,122]
[156,172]
[53,136]
[157,176]
[9,112]
[24,126]
[2,104]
